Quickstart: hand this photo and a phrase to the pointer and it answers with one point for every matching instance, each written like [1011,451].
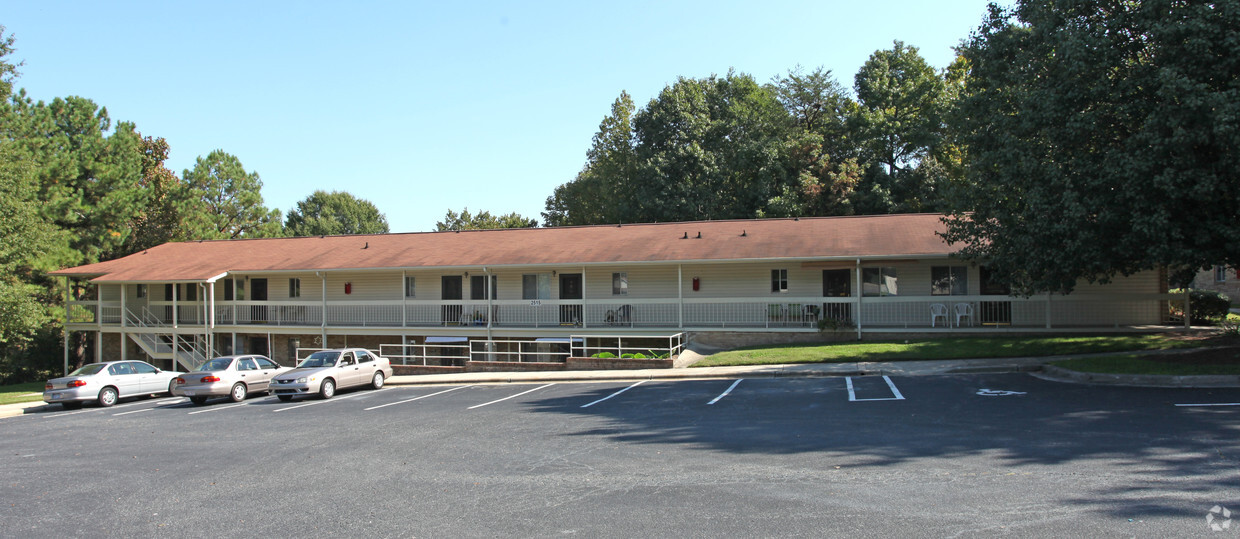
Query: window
[141,291]
[949,280]
[191,292]
[536,286]
[364,356]
[409,287]
[878,281]
[779,280]
[228,289]
[266,363]
[247,364]
[620,283]
[143,368]
[168,291]
[294,287]
[1220,274]
[240,290]
[478,287]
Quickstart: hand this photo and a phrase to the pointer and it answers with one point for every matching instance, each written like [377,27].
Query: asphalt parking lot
[864,456]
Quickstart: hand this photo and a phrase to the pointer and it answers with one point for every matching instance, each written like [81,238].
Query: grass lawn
[21,393]
[947,348]
[1171,364]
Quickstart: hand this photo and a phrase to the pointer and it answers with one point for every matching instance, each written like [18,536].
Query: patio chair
[624,315]
[963,310]
[938,310]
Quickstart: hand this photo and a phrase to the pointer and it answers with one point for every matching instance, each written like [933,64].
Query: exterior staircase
[186,354]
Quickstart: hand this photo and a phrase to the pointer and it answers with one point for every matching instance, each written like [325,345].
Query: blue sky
[422,107]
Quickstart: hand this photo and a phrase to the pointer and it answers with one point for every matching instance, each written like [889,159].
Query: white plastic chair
[963,310]
[939,310]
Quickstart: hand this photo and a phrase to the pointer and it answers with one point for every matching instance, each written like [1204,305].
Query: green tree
[160,221]
[226,202]
[1101,140]
[28,239]
[482,220]
[334,213]
[898,122]
[598,194]
[710,149]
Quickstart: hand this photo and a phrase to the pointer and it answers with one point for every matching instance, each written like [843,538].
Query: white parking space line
[613,394]
[312,403]
[217,408]
[506,398]
[725,393]
[852,394]
[86,411]
[415,398]
[1211,404]
[133,412]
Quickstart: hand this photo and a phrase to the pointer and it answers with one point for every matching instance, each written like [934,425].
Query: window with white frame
[879,281]
[141,291]
[779,280]
[409,288]
[536,286]
[228,289]
[949,280]
[1220,274]
[294,287]
[620,283]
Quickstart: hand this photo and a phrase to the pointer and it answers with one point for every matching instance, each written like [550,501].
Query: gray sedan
[234,376]
[324,372]
[107,383]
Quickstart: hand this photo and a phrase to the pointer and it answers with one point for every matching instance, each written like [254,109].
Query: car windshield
[93,368]
[319,359]
[217,364]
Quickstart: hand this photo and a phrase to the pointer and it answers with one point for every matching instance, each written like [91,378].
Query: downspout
[322,315]
[680,295]
[859,294]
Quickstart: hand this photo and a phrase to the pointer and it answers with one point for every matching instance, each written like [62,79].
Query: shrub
[1208,306]
[640,356]
[604,355]
[626,356]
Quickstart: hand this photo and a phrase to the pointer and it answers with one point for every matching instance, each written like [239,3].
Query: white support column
[99,346]
[66,332]
[404,299]
[176,292]
[211,319]
[323,315]
[124,309]
[486,274]
[584,324]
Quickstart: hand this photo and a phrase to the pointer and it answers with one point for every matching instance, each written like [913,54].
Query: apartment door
[258,292]
[570,289]
[837,283]
[450,289]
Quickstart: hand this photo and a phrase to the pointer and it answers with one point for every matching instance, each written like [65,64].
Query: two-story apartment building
[537,294]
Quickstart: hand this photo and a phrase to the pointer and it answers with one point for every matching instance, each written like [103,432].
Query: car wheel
[107,397]
[172,384]
[198,400]
[71,405]
[328,389]
[377,381]
[238,392]
[284,398]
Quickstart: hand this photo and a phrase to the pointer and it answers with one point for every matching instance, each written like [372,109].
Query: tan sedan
[232,376]
[325,371]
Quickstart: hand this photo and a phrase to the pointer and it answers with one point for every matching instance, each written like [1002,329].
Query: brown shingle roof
[807,238]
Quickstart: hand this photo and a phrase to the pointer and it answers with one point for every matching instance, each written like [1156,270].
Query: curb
[1060,374]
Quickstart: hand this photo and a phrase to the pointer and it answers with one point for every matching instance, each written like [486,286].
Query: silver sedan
[107,383]
[234,376]
[323,372]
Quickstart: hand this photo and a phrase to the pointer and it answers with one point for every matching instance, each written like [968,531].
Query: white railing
[793,313]
[433,354]
[590,345]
